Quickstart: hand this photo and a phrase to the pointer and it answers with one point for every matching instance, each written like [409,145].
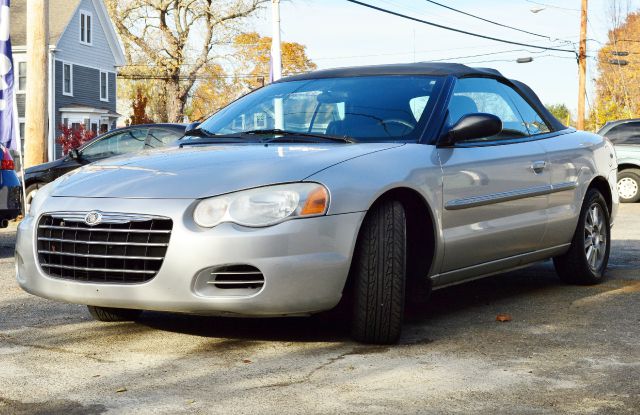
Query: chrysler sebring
[369,185]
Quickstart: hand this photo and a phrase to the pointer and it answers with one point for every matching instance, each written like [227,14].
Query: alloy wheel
[595,237]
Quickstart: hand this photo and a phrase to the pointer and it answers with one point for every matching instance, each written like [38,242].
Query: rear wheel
[379,273]
[113,314]
[587,258]
[629,185]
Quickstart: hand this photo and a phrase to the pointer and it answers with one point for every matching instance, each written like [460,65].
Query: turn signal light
[316,203]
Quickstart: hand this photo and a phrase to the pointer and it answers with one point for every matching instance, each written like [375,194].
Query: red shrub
[73,137]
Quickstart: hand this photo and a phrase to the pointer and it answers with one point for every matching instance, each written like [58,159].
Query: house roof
[60,13]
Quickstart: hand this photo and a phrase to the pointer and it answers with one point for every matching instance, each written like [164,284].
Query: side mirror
[75,154]
[191,127]
[471,127]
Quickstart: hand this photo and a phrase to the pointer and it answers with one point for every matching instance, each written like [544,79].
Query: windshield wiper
[209,138]
[199,132]
[285,133]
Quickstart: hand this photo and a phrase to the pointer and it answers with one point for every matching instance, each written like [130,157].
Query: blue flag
[7,119]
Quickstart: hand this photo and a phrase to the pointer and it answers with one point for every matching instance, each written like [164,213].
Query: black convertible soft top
[433,69]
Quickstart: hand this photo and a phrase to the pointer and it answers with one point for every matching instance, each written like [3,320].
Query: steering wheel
[404,123]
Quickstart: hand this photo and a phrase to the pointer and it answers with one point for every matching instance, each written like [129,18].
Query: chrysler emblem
[93,218]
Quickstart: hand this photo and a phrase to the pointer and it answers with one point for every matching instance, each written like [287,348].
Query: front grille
[122,248]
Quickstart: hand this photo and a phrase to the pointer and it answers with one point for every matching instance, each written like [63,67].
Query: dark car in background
[10,189]
[625,136]
[114,143]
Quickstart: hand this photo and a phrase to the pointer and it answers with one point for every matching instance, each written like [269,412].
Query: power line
[140,77]
[485,54]
[512,61]
[487,20]
[553,6]
[464,32]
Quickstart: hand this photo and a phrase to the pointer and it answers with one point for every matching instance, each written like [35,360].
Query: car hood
[202,171]
[42,167]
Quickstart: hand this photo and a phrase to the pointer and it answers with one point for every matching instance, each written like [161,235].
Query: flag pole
[16,136]
[9,136]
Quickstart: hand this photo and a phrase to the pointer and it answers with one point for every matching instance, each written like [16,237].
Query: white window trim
[106,74]
[85,14]
[65,93]
[16,75]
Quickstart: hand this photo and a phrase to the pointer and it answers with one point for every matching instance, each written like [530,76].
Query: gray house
[84,54]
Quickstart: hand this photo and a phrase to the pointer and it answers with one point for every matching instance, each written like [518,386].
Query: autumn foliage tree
[253,54]
[561,112]
[139,109]
[618,83]
[71,137]
[172,41]
[212,93]
[251,58]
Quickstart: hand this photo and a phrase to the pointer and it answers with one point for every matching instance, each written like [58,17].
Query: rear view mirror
[75,154]
[191,127]
[473,127]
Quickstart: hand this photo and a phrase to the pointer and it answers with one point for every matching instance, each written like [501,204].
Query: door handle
[538,166]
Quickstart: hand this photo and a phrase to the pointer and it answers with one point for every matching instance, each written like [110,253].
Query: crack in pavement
[358,350]
[13,342]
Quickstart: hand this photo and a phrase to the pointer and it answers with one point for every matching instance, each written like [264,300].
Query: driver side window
[473,95]
[120,143]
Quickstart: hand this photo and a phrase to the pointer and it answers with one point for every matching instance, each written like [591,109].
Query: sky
[338,33]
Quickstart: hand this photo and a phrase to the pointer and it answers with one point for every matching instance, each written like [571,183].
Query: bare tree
[173,40]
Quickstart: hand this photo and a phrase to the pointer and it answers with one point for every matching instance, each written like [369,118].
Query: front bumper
[615,199]
[305,262]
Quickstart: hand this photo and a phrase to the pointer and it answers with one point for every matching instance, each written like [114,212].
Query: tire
[31,192]
[575,266]
[378,275]
[113,314]
[629,185]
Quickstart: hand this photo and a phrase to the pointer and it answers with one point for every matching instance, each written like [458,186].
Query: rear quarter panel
[576,157]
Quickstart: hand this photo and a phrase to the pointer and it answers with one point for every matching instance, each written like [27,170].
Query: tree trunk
[174,106]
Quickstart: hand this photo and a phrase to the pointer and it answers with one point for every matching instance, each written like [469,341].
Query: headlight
[264,206]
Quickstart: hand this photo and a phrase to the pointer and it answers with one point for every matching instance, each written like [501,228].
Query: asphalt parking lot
[566,350]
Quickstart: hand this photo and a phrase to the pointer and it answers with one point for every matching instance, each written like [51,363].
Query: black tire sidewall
[363,323]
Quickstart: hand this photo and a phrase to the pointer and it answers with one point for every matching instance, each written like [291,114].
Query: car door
[120,142]
[494,189]
[569,154]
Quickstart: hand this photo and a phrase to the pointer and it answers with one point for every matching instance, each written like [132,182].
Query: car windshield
[367,108]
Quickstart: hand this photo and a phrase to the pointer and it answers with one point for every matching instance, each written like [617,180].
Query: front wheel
[379,272]
[587,258]
[113,314]
[629,185]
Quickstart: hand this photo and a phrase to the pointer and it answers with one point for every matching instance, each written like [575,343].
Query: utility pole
[276,63]
[276,52]
[582,66]
[37,81]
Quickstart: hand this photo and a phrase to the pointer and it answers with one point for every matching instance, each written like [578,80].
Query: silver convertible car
[369,185]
